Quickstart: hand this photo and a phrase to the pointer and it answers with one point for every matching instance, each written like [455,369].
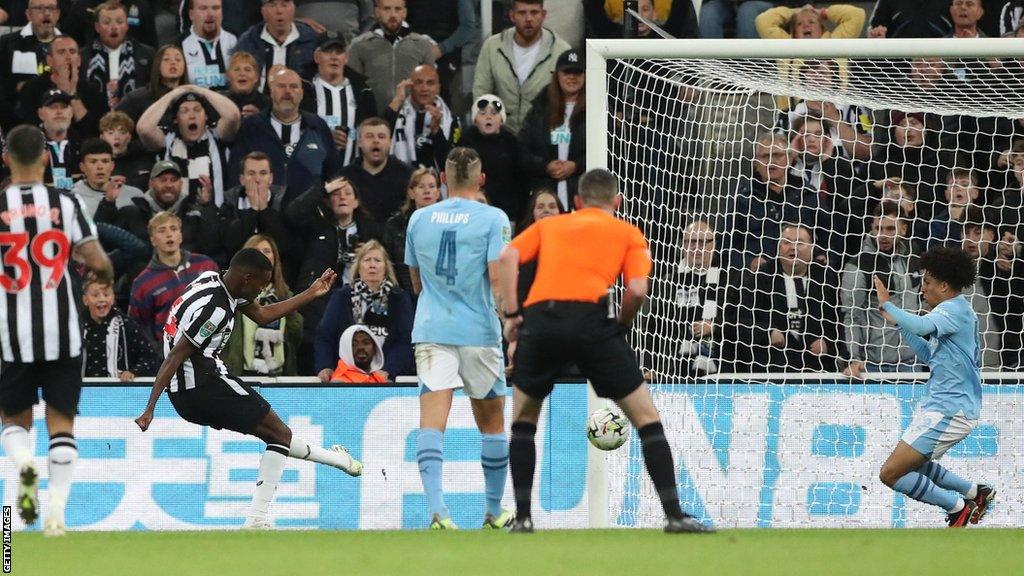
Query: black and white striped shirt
[39,228]
[337,106]
[205,314]
[288,133]
[208,61]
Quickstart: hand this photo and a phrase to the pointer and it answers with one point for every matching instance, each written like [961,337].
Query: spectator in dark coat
[424,190]
[244,85]
[280,31]
[113,345]
[374,300]
[554,134]
[116,65]
[65,62]
[500,156]
[299,144]
[381,178]
[200,228]
[131,160]
[910,19]
[23,53]
[254,207]
[791,325]
[681,22]
[168,72]
[335,224]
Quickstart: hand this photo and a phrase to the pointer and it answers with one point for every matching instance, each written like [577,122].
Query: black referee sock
[658,459]
[522,457]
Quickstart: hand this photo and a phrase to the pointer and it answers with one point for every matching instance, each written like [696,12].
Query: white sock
[63,455]
[271,468]
[305,451]
[972,493]
[959,506]
[17,444]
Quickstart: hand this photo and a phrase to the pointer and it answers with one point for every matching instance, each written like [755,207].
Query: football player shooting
[952,403]
[203,392]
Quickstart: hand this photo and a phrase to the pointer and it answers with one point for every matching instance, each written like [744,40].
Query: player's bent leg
[899,472]
[63,454]
[18,446]
[434,409]
[640,409]
[490,419]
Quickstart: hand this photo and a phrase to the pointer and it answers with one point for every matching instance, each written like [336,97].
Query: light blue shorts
[932,433]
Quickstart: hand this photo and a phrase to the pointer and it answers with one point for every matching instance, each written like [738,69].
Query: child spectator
[500,156]
[359,357]
[114,345]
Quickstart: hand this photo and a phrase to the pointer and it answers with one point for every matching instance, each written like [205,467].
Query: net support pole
[597,157]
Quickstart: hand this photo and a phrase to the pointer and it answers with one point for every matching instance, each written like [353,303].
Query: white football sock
[972,493]
[271,467]
[17,444]
[63,455]
[305,451]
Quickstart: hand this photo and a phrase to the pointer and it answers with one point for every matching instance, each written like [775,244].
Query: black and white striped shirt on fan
[39,228]
[205,314]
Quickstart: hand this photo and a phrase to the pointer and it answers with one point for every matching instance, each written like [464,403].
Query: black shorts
[554,333]
[221,404]
[61,381]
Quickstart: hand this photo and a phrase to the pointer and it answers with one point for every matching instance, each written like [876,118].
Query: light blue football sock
[494,459]
[921,488]
[430,457]
[946,479]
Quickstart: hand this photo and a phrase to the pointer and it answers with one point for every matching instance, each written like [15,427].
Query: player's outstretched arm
[265,314]
[912,323]
[182,350]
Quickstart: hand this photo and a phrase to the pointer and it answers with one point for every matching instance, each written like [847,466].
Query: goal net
[772,190]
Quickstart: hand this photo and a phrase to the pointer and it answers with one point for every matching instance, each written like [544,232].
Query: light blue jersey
[953,354]
[451,243]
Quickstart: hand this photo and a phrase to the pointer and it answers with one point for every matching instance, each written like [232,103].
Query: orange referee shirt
[580,255]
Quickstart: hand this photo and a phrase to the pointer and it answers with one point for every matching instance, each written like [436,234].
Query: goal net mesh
[771,192]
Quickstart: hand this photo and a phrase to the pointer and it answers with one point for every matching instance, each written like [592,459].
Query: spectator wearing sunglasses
[500,155]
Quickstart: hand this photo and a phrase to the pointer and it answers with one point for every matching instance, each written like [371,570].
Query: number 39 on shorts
[49,249]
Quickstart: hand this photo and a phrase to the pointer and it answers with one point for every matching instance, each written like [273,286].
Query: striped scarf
[198,160]
[371,308]
[98,72]
[408,136]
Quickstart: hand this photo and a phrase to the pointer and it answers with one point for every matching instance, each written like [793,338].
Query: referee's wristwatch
[511,315]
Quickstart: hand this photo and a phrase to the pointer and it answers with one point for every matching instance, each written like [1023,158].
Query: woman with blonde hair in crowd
[272,349]
[373,299]
[424,189]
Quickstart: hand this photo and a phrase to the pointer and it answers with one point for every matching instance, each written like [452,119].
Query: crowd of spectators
[311,130]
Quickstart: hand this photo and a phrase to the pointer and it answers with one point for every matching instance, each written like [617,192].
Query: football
[607,429]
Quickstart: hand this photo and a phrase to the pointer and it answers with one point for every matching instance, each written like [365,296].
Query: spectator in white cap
[500,156]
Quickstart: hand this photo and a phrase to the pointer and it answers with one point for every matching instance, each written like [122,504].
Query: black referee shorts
[554,333]
[61,381]
[223,403]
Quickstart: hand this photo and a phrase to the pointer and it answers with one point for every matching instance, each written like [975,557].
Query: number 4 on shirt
[13,244]
[446,257]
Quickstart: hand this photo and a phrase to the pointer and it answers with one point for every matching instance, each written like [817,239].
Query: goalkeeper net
[771,191]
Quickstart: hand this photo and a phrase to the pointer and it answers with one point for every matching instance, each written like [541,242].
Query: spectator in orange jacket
[360,357]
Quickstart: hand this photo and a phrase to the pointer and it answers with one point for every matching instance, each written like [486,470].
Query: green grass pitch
[586,552]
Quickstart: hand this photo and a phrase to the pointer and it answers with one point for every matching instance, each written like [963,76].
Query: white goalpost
[772,180]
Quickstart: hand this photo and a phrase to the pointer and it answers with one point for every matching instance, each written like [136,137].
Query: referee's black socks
[658,459]
[522,456]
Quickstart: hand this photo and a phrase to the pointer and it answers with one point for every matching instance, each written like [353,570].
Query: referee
[567,318]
